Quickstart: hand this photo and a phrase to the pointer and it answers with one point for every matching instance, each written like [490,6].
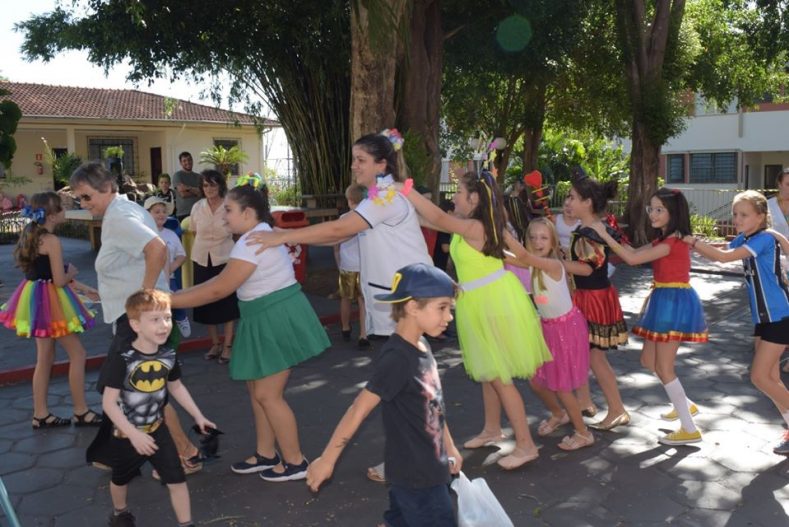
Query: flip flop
[576,441]
[483,439]
[376,473]
[547,427]
[517,459]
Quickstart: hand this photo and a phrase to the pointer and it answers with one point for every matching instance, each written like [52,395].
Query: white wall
[748,132]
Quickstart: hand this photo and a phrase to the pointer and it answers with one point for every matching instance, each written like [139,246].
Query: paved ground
[627,478]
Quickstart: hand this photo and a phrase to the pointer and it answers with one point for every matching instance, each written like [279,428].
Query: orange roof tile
[43,100]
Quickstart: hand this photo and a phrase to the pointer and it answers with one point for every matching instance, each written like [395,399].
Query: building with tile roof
[152,130]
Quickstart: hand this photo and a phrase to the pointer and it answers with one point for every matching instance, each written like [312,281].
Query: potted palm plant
[223,158]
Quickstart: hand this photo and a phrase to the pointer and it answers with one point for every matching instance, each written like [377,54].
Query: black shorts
[775,332]
[126,462]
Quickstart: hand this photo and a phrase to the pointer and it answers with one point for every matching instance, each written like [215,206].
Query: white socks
[676,395]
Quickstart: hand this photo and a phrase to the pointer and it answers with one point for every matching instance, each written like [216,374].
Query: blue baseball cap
[419,281]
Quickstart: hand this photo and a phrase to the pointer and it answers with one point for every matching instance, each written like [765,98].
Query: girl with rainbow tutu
[45,306]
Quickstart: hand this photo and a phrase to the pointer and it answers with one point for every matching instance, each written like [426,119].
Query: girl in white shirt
[278,329]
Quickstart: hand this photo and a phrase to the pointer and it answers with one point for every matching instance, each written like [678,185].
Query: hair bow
[394,137]
[38,215]
[253,179]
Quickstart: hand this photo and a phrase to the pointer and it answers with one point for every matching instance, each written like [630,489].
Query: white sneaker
[184,327]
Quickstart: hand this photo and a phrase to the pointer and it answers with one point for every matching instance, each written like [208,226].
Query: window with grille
[96,146]
[717,167]
[675,168]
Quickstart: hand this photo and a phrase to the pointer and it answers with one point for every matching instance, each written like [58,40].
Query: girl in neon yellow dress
[498,328]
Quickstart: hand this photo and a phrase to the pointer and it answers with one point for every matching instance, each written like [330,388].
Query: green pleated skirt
[276,332]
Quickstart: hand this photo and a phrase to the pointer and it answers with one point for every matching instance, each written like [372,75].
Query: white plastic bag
[477,505]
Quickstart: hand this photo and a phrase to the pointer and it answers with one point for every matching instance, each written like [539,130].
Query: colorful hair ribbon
[38,215]
[253,179]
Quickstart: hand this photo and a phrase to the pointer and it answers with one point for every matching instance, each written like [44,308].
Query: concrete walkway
[627,478]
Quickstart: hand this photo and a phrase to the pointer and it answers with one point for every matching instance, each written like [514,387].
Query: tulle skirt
[567,337]
[672,314]
[38,308]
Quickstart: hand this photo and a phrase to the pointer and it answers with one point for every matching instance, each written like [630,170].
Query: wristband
[408,184]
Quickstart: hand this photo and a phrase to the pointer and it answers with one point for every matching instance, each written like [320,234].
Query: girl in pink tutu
[566,334]
[45,306]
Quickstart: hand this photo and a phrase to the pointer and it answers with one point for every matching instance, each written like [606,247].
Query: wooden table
[94,225]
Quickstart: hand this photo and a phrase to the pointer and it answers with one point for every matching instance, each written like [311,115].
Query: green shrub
[703,225]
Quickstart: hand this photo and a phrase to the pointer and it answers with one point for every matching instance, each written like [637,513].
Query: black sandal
[82,419]
[50,421]
[224,359]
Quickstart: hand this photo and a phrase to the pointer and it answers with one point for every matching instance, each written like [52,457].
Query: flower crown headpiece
[253,179]
[38,215]
[395,137]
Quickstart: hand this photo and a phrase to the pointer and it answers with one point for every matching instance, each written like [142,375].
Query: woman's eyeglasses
[656,210]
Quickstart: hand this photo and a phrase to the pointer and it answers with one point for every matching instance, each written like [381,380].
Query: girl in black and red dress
[594,295]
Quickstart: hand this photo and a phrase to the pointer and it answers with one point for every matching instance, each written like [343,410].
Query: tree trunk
[373,70]
[420,97]
[644,165]
[533,126]
[645,37]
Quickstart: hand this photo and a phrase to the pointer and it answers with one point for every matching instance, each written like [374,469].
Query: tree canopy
[292,55]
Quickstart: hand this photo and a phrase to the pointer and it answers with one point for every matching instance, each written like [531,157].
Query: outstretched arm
[715,254]
[229,280]
[329,232]
[630,256]
[321,468]
[782,241]
[523,258]
[469,229]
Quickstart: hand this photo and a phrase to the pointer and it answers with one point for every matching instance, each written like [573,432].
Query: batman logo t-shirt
[142,380]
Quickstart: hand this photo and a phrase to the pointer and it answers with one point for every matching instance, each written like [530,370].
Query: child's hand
[92,294]
[599,228]
[398,186]
[688,239]
[71,271]
[455,460]
[319,471]
[143,443]
[204,423]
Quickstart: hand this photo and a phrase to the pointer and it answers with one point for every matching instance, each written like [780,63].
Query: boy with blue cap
[418,442]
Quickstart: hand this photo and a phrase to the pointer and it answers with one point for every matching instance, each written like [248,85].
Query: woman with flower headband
[45,307]
[278,329]
[498,328]
[388,227]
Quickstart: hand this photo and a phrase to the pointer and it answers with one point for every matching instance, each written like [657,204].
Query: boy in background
[348,259]
[418,443]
